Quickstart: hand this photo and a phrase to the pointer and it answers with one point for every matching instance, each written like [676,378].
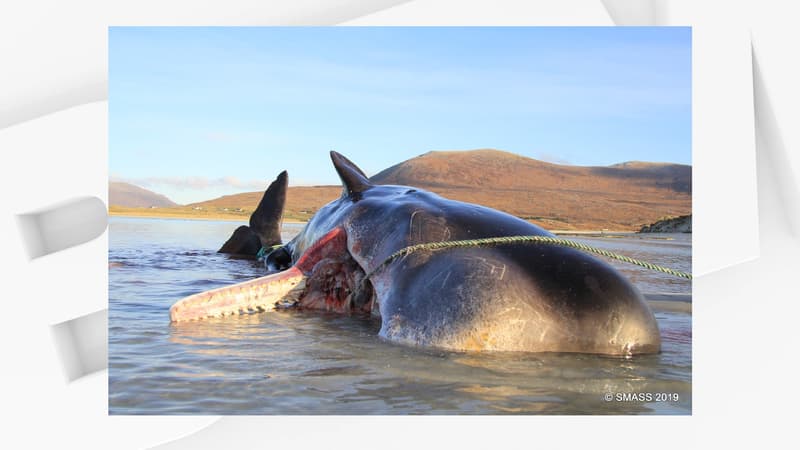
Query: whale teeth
[262,294]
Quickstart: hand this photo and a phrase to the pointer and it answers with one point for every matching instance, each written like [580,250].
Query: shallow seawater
[292,362]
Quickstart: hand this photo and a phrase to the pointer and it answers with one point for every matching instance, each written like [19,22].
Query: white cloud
[196,183]
[551,158]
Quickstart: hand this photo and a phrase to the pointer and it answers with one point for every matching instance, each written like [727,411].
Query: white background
[53,141]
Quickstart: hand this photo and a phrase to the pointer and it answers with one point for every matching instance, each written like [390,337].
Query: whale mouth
[325,278]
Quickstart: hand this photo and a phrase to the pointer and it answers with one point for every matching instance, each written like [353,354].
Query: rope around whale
[524,240]
[264,251]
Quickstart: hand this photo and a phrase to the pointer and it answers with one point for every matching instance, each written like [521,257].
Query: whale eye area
[278,260]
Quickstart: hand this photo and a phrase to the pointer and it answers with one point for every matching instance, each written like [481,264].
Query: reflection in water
[290,362]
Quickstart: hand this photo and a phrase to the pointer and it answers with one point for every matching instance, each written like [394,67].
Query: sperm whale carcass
[510,297]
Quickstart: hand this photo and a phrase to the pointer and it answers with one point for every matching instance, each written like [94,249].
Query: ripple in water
[309,363]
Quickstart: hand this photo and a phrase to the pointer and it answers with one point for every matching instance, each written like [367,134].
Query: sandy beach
[186,213]
[234,216]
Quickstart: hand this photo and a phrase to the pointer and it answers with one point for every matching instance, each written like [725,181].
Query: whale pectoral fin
[353,179]
[265,221]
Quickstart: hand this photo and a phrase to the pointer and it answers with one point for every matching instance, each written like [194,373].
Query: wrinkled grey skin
[519,297]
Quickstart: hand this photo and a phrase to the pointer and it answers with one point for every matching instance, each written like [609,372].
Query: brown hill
[301,201]
[559,197]
[129,195]
[499,170]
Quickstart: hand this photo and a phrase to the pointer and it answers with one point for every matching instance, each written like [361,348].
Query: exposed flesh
[325,278]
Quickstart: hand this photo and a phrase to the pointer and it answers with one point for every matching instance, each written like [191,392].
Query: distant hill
[623,196]
[129,195]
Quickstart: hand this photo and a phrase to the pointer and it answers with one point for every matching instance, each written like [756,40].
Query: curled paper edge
[62,225]
[82,344]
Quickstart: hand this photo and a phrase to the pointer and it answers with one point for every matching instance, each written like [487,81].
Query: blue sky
[195,113]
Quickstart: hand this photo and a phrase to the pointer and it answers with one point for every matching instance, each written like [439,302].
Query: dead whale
[510,297]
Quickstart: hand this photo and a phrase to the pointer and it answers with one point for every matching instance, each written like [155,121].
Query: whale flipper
[353,179]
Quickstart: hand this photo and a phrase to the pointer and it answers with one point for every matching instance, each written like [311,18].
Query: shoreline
[227,218]
[592,232]
[186,214]
[245,219]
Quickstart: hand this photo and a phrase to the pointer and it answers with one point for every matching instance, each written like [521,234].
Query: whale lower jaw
[325,278]
[262,294]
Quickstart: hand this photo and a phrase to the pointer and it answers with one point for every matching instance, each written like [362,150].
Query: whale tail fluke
[265,222]
[266,219]
[242,242]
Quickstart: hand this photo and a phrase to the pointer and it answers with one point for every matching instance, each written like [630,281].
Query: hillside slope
[132,196]
[560,197]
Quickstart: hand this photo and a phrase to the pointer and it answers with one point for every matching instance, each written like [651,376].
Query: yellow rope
[525,240]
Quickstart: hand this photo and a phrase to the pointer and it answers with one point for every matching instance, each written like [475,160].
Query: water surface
[292,362]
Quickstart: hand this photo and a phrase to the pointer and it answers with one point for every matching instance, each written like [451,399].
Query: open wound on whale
[324,278]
